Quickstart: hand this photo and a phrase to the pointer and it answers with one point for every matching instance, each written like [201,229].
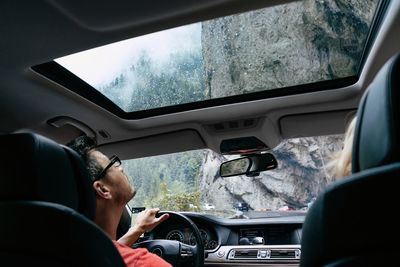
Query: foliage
[167,181]
[149,84]
[176,201]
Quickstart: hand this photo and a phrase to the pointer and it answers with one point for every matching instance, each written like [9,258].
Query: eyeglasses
[114,161]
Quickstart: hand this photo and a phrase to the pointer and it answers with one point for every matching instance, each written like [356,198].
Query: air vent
[244,254]
[283,254]
[265,254]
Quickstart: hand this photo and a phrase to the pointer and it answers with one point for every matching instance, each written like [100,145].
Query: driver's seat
[46,207]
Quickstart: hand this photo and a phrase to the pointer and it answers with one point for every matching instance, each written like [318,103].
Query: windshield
[190,181]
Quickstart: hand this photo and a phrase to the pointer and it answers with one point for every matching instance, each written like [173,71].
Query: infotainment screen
[252,236]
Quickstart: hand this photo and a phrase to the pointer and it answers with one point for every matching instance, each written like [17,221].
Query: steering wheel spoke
[187,251]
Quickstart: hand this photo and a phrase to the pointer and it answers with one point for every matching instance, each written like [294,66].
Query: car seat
[352,223]
[47,206]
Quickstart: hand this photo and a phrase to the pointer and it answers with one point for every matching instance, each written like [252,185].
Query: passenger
[341,163]
[113,191]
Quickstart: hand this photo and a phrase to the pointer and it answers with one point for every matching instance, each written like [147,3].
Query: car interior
[334,232]
[204,132]
[47,221]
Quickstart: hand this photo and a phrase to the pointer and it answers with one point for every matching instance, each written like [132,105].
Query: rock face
[297,43]
[303,171]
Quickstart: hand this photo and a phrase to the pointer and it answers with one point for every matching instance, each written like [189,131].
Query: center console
[264,245]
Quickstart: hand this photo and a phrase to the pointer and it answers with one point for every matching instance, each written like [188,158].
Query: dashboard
[185,235]
[240,241]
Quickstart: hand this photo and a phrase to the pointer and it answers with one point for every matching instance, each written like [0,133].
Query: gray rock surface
[297,43]
[303,171]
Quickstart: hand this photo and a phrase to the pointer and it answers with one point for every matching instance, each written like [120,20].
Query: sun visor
[315,124]
[166,143]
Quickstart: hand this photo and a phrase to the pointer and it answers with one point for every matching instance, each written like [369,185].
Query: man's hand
[145,221]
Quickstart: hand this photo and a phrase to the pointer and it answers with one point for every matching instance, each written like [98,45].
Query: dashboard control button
[221,254]
[263,254]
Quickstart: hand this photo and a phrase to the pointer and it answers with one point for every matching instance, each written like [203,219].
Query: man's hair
[82,145]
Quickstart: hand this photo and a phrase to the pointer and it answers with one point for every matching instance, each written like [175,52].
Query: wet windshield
[190,181]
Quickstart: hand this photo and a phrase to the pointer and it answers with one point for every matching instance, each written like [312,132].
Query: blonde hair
[341,163]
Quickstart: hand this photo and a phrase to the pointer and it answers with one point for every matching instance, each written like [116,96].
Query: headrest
[33,167]
[377,129]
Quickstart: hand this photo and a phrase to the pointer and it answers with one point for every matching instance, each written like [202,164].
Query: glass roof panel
[298,43]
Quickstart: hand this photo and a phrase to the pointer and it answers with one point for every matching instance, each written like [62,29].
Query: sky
[100,65]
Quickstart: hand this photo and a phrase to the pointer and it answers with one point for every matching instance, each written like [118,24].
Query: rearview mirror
[250,165]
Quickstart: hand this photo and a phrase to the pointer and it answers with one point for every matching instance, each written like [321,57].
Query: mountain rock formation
[301,42]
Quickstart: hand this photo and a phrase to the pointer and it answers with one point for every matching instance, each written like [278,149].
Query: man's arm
[145,221]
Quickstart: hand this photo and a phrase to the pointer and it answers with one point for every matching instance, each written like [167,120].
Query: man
[113,191]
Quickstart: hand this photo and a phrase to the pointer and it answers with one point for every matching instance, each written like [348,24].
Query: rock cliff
[301,42]
[296,43]
[303,171]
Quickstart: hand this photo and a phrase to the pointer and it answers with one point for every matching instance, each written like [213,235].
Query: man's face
[115,178]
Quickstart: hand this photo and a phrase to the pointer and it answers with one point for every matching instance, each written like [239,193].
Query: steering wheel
[175,252]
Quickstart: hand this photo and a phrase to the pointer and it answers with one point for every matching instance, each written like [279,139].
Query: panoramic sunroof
[285,46]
